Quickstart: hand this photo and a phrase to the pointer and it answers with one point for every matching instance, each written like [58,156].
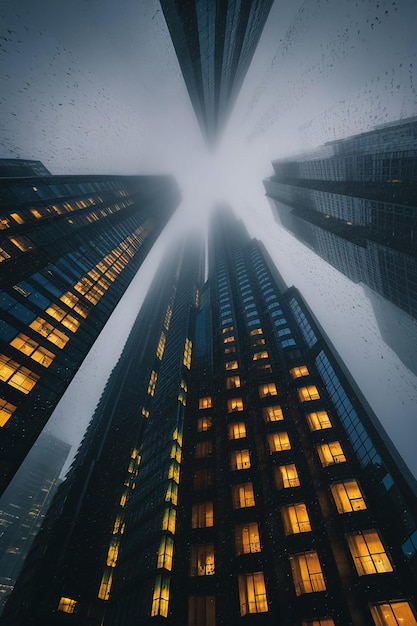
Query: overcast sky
[95,87]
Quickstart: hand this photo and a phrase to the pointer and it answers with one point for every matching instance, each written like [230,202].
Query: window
[247,538]
[368,553]
[22,243]
[6,411]
[203,479]
[169,520]
[230,350]
[160,598]
[278,442]
[67,605]
[286,476]
[308,393]
[66,320]
[237,430]
[105,585]
[226,330]
[201,611]
[16,375]
[306,573]
[165,552]
[318,420]
[260,355]
[152,383]
[228,339]
[204,423]
[299,372]
[233,382]
[252,593]
[203,449]
[239,459]
[295,519]
[348,496]
[161,346]
[202,515]
[393,612]
[31,348]
[205,403]
[330,453]
[243,496]
[269,389]
[235,404]
[323,621]
[202,560]
[256,331]
[231,365]
[47,330]
[272,413]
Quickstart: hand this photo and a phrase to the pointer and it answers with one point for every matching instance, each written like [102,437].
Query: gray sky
[95,87]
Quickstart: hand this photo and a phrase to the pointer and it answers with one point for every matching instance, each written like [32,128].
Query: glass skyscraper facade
[215,41]
[69,247]
[232,472]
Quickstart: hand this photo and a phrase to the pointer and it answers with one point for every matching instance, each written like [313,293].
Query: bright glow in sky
[95,87]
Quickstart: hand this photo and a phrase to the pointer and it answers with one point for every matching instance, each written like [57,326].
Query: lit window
[3,254]
[105,585]
[393,612]
[119,526]
[272,413]
[243,496]
[168,316]
[278,442]
[306,573]
[17,218]
[230,350]
[233,382]
[228,339]
[203,449]
[348,496]
[176,452]
[237,430]
[231,365]
[53,335]
[165,552]
[226,330]
[308,393]
[113,552]
[172,493]
[205,403]
[6,411]
[160,598]
[368,553]
[260,355]
[286,476]
[152,383]
[247,538]
[295,519]
[235,404]
[174,472]
[299,372]
[269,389]
[239,459]
[324,621]
[31,348]
[169,520]
[252,593]
[202,560]
[16,375]
[161,346]
[319,420]
[67,605]
[204,423]
[188,348]
[256,331]
[203,478]
[201,611]
[330,453]
[66,319]
[202,515]
[36,213]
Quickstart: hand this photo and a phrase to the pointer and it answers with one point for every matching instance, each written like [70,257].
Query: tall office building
[215,41]
[244,479]
[69,247]
[24,504]
[354,202]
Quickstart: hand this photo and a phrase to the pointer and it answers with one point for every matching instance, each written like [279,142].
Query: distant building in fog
[215,41]
[10,168]
[354,202]
[24,504]
[69,248]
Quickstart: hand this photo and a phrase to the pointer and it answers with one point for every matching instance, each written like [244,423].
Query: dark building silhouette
[10,168]
[69,247]
[232,473]
[215,41]
[24,505]
[354,202]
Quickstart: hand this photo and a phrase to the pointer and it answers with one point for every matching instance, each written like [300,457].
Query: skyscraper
[353,201]
[215,41]
[69,247]
[232,471]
